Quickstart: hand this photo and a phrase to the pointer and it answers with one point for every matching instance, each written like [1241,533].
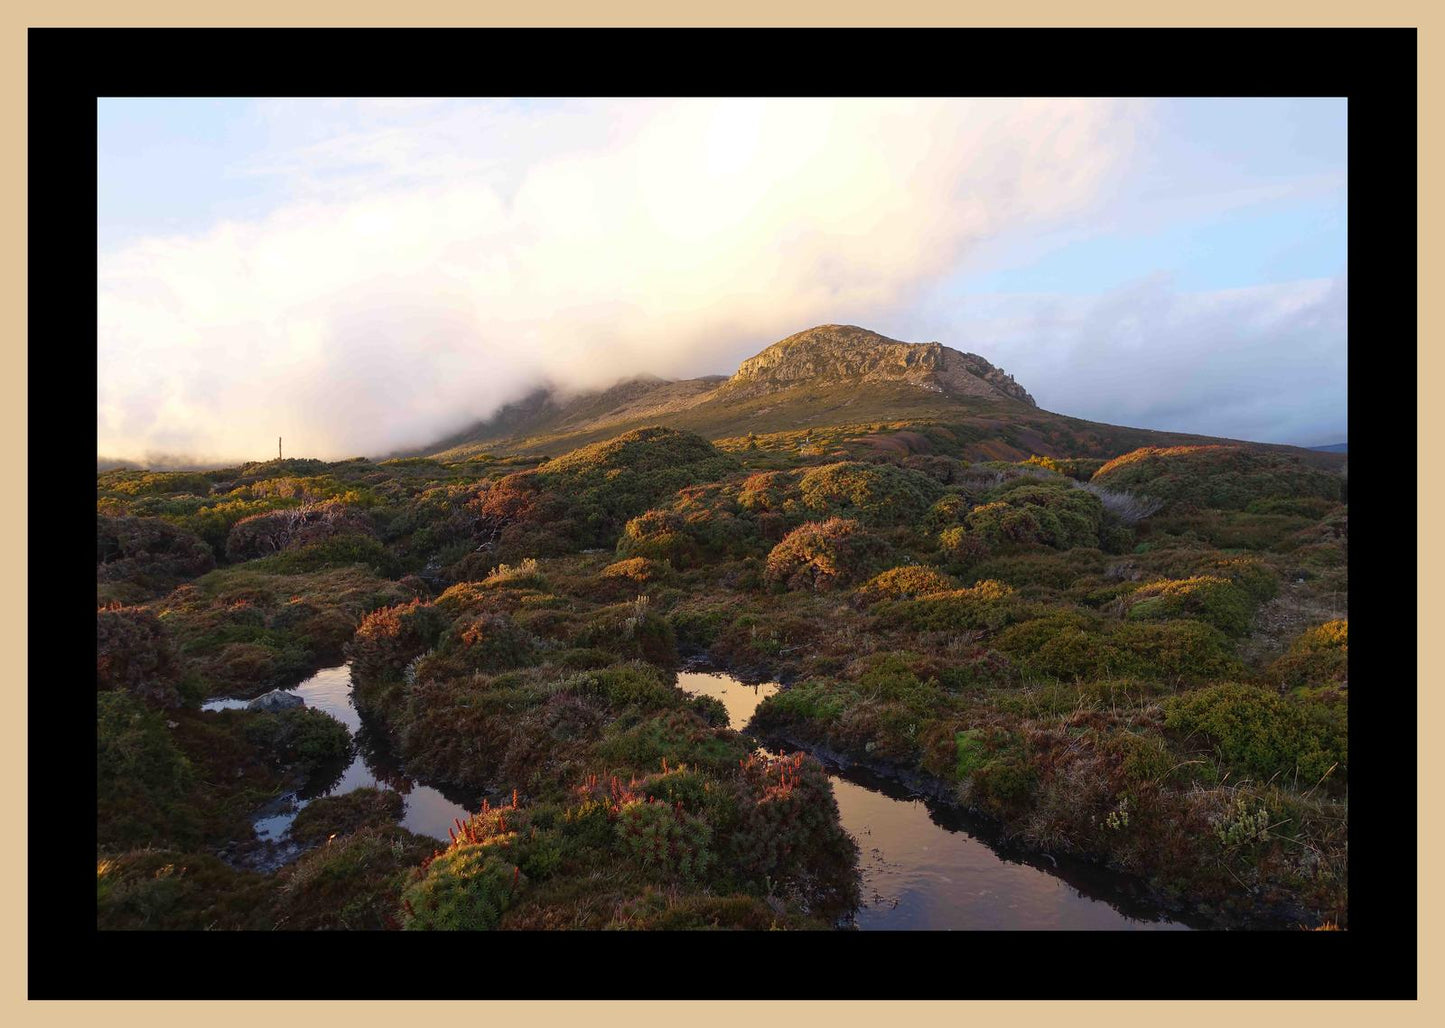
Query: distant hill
[1332,448]
[830,376]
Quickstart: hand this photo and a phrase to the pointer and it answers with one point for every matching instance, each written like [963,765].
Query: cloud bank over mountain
[420,263]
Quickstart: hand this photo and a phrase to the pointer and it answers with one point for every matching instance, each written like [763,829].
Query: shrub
[1319,656]
[1043,569]
[874,494]
[987,605]
[337,551]
[133,652]
[972,753]
[1180,649]
[526,574]
[302,737]
[1209,598]
[1078,468]
[353,882]
[1001,522]
[632,631]
[148,553]
[660,536]
[468,888]
[1003,784]
[638,570]
[350,812]
[766,491]
[961,548]
[142,778]
[166,889]
[1261,733]
[1126,506]
[609,482]
[389,639]
[824,555]
[1228,477]
[666,837]
[904,583]
[278,530]
[1294,506]
[484,642]
[1026,511]
[788,832]
[946,513]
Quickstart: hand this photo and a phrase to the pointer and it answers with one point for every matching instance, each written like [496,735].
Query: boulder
[276,699]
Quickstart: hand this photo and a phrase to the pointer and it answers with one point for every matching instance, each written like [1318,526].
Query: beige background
[15,1009]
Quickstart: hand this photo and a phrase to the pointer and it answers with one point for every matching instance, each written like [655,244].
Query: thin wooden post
[278,447]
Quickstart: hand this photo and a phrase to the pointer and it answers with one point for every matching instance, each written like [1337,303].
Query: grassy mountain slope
[856,384]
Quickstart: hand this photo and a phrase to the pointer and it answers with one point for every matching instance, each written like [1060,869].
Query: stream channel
[924,865]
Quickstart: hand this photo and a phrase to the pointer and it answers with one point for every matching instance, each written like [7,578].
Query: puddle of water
[739,698]
[921,867]
[428,811]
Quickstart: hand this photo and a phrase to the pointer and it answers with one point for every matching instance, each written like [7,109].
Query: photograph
[833,514]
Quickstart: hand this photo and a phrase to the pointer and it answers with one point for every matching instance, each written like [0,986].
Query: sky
[363,276]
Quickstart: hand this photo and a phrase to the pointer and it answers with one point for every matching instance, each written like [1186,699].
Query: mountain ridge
[828,376]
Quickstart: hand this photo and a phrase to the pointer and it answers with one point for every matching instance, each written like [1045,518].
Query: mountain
[831,376]
[851,356]
[1332,448]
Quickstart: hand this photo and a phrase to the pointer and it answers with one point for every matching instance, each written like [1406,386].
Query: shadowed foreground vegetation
[1135,658]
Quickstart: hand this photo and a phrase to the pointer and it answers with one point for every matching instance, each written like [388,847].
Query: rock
[849,354]
[276,699]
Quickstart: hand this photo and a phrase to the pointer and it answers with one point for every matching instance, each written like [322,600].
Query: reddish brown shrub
[824,555]
[133,652]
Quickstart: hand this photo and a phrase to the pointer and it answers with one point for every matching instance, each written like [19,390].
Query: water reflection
[926,866]
[428,811]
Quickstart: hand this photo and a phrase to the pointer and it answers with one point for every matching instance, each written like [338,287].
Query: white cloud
[441,259]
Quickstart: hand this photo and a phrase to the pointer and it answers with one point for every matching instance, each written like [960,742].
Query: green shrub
[274,531]
[987,605]
[609,482]
[961,548]
[1209,598]
[484,642]
[1176,649]
[666,837]
[153,889]
[142,778]
[1026,511]
[948,512]
[1228,477]
[353,882]
[637,571]
[1260,733]
[338,551]
[873,494]
[330,816]
[632,631]
[468,888]
[788,833]
[301,737]
[1004,784]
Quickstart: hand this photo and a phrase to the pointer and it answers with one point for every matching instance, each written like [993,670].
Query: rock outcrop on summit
[849,355]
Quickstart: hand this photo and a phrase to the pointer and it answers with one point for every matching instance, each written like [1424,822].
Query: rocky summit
[821,376]
[851,356]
